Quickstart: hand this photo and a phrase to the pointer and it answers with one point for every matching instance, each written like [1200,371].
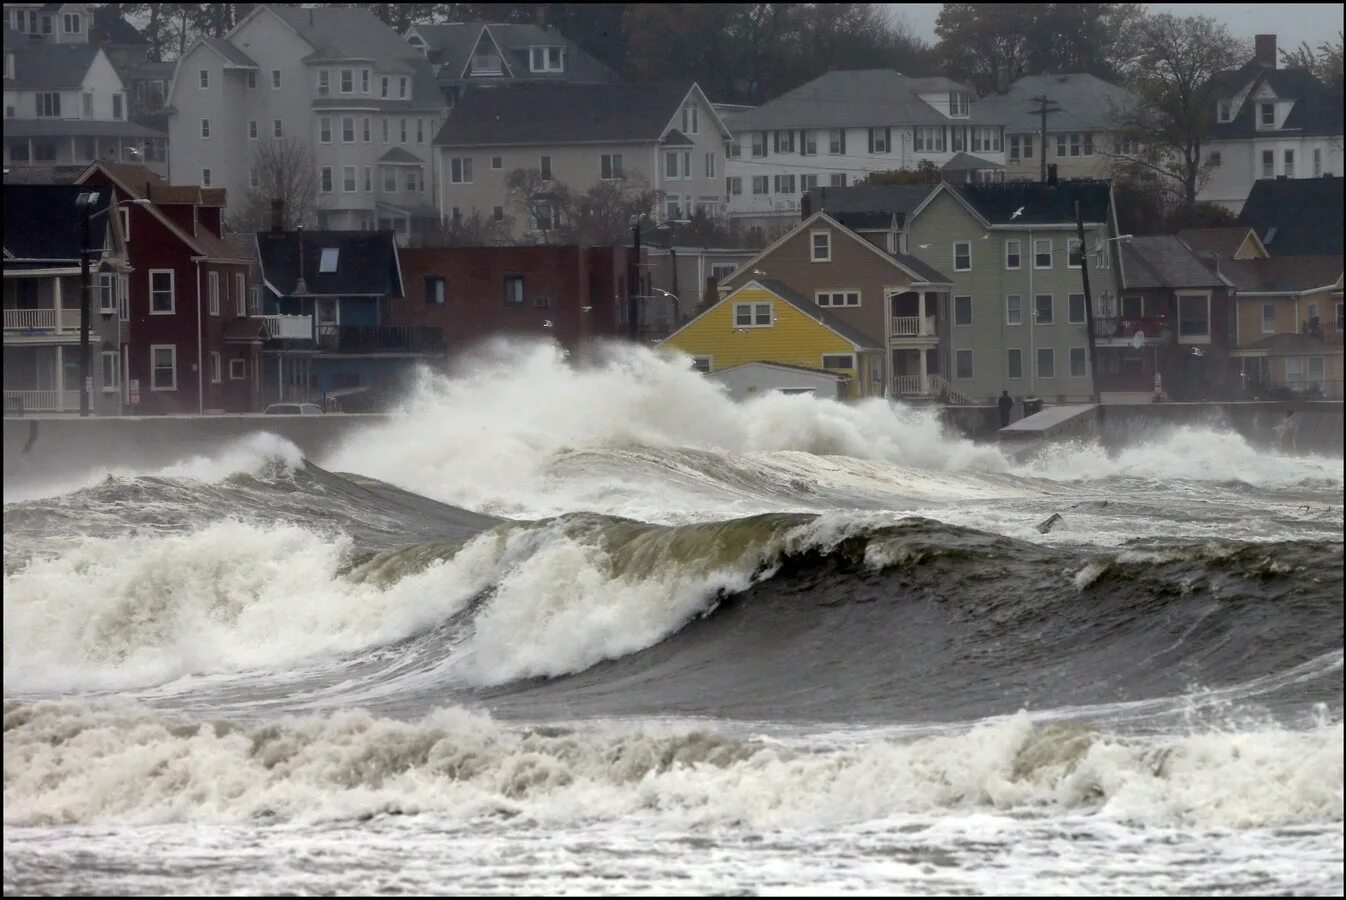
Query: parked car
[293,409]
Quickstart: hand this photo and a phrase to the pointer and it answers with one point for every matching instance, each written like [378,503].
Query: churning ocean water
[597,629]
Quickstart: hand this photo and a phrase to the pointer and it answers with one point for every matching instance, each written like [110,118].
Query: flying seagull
[758,272]
[925,246]
[986,236]
[1017,213]
[134,151]
[585,308]
[547,323]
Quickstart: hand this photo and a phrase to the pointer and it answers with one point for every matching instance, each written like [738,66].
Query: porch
[912,318]
[41,379]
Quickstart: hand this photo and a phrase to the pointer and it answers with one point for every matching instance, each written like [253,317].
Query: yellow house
[766,321]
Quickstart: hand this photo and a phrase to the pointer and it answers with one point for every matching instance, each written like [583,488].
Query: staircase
[941,386]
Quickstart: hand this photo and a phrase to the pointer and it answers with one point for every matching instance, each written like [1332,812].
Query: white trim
[1006,254]
[1051,308]
[213,291]
[1008,323]
[970,316]
[1081,243]
[1070,359]
[116,370]
[813,246]
[172,292]
[244,363]
[710,363]
[1051,254]
[822,362]
[240,294]
[832,294]
[752,306]
[216,367]
[1177,308]
[968,267]
[174,348]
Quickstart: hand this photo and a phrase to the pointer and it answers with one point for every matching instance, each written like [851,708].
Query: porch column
[60,379]
[56,299]
[925,388]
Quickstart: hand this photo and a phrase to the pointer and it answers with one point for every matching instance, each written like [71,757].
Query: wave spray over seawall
[597,628]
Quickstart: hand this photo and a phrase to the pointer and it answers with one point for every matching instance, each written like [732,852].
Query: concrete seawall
[43,450]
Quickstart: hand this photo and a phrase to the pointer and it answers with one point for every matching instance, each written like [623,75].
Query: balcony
[46,320]
[41,401]
[288,328]
[487,65]
[913,326]
[1117,331]
[380,339]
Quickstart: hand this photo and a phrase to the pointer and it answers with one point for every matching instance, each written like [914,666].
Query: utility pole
[1088,305]
[1046,106]
[85,292]
[632,293]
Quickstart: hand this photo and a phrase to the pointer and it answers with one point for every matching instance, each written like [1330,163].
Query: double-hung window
[962,310]
[213,282]
[162,299]
[752,315]
[837,298]
[348,129]
[1014,310]
[1042,254]
[1013,254]
[460,170]
[324,130]
[1193,317]
[962,256]
[1046,362]
[1075,313]
[821,242]
[1077,362]
[610,166]
[1042,309]
[163,367]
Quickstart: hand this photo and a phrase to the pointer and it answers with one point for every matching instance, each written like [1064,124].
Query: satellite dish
[1138,340]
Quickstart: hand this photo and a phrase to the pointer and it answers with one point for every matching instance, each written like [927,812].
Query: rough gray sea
[561,630]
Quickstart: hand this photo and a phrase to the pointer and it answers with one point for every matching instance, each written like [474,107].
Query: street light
[632,291]
[86,201]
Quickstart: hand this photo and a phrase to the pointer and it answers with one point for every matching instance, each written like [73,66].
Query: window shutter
[765,144]
[871,140]
[888,138]
[843,142]
[803,146]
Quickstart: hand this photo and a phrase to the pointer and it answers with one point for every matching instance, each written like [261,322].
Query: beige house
[1289,323]
[666,136]
[894,299]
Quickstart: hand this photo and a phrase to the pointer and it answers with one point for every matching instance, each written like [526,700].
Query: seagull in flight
[1017,213]
[585,308]
[134,151]
[758,272]
[925,246]
[547,323]
[986,236]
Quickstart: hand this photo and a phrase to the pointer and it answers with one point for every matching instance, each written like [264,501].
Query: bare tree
[1171,118]
[601,215]
[285,171]
[472,231]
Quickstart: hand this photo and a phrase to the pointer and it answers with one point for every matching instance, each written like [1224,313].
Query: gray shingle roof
[1086,103]
[229,52]
[76,128]
[858,99]
[1042,204]
[1221,242]
[1296,216]
[962,162]
[1316,109]
[451,46]
[1282,274]
[898,200]
[927,272]
[366,262]
[400,155]
[548,113]
[816,312]
[41,66]
[1163,261]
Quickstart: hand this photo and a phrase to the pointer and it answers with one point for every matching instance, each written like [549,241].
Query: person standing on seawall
[1006,404]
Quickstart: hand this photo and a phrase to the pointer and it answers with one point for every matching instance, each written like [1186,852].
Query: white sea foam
[108,762]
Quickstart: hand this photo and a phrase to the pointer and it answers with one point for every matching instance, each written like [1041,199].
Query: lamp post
[676,307]
[86,202]
[633,294]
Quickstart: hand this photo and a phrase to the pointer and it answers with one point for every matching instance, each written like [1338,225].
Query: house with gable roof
[362,100]
[841,126]
[579,135]
[193,344]
[1268,122]
[893,298]
[1297,216]
[766,321]
[465,54]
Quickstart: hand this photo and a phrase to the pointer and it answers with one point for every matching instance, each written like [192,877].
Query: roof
[138,182]
[899,200]
[1296,216]
[1086,103]
[401,155]
[779,365]
[812,310]
[1221,242]
[862,98]
[451,45]
[1316,110]
[77,128]
[538,113]
[366,262]
[1283,274]
[110,28]
[229,51]
[1028,203]
[967,162]
[927,272]
[42,222]
[1163,261]
[42,66]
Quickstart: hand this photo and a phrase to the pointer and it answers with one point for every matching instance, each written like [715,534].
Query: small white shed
[756,378]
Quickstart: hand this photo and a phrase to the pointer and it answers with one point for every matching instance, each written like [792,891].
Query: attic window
[486,64]
[1225,111]
[328,263]
[958,104]
[545,59]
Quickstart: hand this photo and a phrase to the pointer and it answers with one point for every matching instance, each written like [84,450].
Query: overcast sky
[1290,22]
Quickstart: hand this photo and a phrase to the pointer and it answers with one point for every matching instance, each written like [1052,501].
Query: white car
[293,409]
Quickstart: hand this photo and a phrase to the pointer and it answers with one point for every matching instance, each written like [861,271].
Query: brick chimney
[1001,78]
[806,205]
[1265,50]
[277,216]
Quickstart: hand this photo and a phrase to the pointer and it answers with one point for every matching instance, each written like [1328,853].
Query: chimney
[1001,78]
[542,16]
[277,216]
[1265,50]
[806,205]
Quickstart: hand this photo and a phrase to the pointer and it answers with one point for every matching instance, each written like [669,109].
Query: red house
[193,346]
[569,293]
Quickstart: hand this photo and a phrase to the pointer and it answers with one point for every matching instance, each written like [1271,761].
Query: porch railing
[380,338]
[1124,328]
[913,326]
[940,385]
[42,401]
[907,384]
[44,319]
[289,328]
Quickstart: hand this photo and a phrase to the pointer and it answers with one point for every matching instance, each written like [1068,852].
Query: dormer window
[690,126]
[73,23]
[958,104]
[1266,115]
[545,59]
[1224,111]
[486,64]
